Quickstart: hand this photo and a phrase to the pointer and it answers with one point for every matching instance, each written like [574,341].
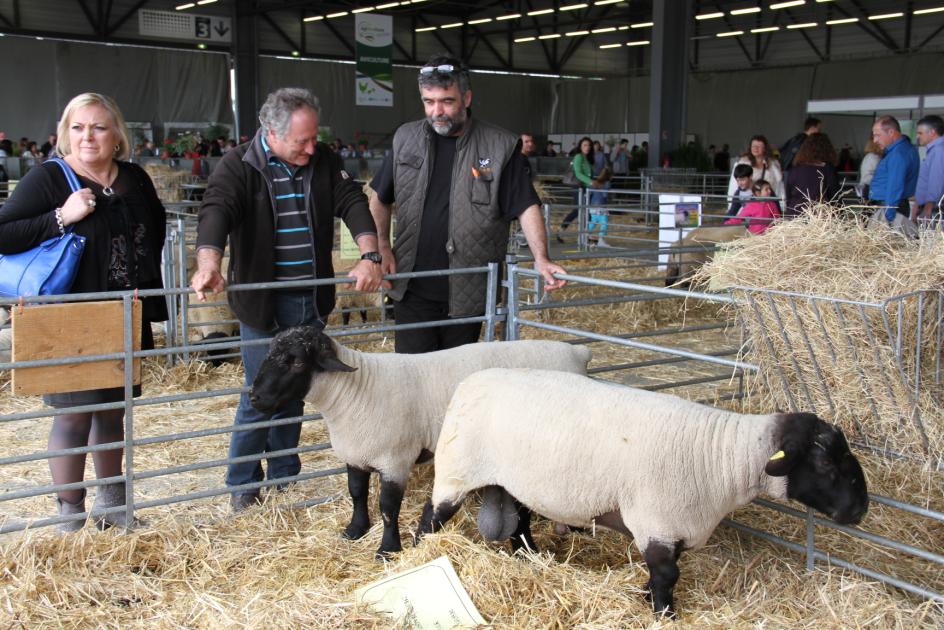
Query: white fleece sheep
[216,310]
[682,266]
[580,451]
[384,410]
[348,300]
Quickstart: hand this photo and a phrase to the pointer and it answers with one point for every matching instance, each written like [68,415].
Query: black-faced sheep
[663,469]
[384,411]
[702,242]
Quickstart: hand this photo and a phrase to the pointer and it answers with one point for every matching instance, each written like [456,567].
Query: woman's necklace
[107,190]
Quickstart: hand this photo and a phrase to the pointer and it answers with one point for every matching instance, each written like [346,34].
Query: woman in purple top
[813,176]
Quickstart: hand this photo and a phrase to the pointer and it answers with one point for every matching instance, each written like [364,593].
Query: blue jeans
[291,309]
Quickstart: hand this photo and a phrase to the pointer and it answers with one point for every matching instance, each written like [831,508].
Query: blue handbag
[50,267]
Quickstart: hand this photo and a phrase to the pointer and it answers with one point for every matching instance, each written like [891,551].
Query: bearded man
[457,182]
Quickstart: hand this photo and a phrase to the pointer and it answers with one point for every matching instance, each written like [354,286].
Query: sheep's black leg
[662,560]
[391,498]
[345,318]
[358,484]
[522,538]
[433,520]
[363,315]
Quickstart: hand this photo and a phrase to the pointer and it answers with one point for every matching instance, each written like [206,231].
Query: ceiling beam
[6,21]
[281,33]
[88,16]
[339,37]
[124,18]
[484,39]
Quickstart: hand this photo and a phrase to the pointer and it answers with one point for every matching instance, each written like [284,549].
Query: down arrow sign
[221,29]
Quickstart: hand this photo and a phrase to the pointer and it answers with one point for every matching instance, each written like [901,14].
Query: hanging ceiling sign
[181,25]
[373,36]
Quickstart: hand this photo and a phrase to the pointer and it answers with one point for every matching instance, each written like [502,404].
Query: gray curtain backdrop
[157,86]
[149,85]
[514,102]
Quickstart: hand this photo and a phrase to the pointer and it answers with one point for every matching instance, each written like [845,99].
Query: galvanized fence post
[491,301]
[128,301]
[511,323]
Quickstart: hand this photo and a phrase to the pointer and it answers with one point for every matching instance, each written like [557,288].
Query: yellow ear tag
[778,455]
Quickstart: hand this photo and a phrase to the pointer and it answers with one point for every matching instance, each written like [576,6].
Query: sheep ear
[779,464]
[327,359]
[334,364]
[796,430]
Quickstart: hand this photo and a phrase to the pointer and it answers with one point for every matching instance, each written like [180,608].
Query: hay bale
[167,181]
[855,364]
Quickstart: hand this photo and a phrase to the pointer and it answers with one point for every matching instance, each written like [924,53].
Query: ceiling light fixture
[608,29]
[790,27]
[787,5]
[643,42]
[577,33]
[851,20]
[573,7]
[886,16]
[313,18]
[389,5]
[730,34]
[549,36]
[426,28]
[479,21]
[510,16]
[450,25]
[642,25]
[710,16]
[362,10]
[611,46]
[181,7]
[926,11]
[525,39]
[338,14]
[765,29]
[745,11]
[540,12]
[600,3]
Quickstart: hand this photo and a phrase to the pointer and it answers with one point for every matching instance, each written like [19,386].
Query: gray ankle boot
[67,509]
[109,496]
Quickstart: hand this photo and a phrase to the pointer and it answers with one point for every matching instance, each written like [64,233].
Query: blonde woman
[118,212]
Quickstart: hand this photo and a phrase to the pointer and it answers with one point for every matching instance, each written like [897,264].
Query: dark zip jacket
[238,203]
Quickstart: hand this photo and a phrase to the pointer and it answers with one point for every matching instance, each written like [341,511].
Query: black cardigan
[28,218]
[238,204]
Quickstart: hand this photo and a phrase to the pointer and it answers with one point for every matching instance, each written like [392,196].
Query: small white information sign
[428,597]
[184,25]
[678,215]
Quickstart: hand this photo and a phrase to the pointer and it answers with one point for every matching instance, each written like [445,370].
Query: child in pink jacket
[763,211]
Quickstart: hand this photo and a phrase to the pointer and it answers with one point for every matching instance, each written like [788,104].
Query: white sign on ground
[423,598]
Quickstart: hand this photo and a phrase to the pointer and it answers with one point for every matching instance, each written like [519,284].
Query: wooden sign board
[53,331]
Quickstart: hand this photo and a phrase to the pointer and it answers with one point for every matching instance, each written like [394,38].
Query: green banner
[373,36]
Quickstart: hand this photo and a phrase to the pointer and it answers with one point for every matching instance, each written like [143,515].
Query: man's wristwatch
[373,257]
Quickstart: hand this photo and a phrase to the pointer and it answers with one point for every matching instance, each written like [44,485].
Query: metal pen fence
[132,443]
[898,359]
[522,284]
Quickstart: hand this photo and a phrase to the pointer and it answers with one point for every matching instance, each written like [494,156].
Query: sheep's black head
[821,471]
[294,357]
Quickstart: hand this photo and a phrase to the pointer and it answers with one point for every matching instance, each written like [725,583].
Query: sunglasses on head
[445,68]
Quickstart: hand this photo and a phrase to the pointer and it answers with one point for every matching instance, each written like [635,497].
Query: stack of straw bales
[856,362]
[167,181]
